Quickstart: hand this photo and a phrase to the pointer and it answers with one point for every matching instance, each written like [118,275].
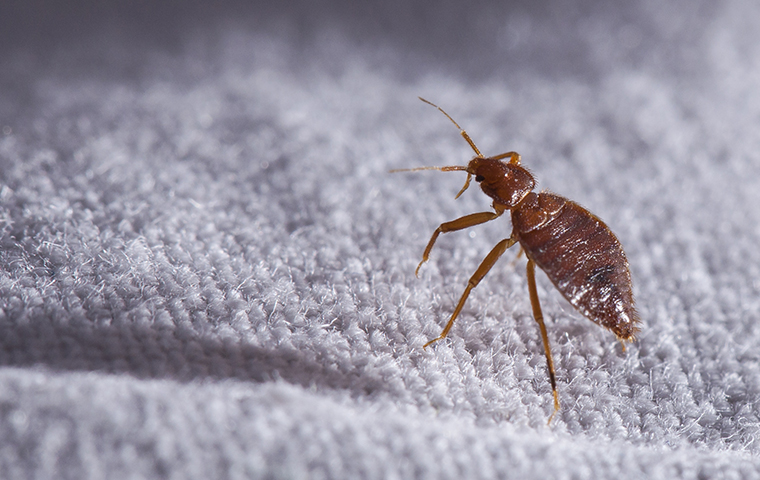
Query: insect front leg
[459,224]
[514,157]
[483,269]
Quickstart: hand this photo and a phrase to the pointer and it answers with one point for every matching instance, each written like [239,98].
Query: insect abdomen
[582,258]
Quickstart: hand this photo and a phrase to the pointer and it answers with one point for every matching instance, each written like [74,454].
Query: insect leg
[514,157]
[539,317]
[454,225]
[481,272]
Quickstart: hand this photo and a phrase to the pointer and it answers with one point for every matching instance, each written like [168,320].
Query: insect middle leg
[459,224]
[539,317]
[483,269]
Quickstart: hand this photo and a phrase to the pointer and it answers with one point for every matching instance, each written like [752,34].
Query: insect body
[576,250]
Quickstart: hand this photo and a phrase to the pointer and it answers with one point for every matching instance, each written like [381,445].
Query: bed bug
[577,251]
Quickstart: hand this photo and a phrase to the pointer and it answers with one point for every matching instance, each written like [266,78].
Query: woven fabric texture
[207,270]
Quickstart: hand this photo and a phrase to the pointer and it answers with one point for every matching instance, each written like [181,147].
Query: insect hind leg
[539,317]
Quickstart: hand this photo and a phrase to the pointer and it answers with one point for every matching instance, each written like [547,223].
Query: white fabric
[208,272]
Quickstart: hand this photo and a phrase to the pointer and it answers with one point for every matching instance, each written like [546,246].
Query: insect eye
[479,178]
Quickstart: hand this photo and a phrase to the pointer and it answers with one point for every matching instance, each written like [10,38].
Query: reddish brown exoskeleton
[576,250]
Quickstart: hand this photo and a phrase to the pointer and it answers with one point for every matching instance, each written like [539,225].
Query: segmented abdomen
[582,258]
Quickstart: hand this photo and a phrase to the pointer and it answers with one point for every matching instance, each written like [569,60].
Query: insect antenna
[455,168]
[461,130]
